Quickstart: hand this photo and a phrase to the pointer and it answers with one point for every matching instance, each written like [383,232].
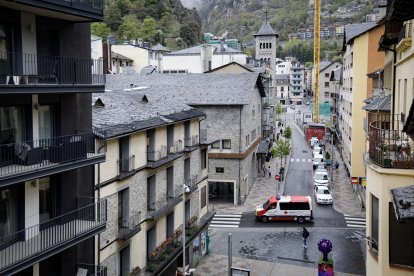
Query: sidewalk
[344,198]
[216,265]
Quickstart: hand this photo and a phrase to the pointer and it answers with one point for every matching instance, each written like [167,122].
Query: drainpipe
[99,198]
[240,141]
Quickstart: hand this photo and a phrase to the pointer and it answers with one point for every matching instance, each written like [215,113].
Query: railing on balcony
[33,155]
[192,183]
[190,142]
[389,147]
[164,203]
[130,227]
[174,193]
[191,226]
[165,251]
[161,156]
[39,239]
[175,148]
[405,32]
[126,165]
[38,70]
[92,270]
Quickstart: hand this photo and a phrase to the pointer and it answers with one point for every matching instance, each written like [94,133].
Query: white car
[321,178]
[317,150]
[323,195]
[316,160]
[314,141]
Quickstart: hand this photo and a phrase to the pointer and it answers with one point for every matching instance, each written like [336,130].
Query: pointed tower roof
[266,29]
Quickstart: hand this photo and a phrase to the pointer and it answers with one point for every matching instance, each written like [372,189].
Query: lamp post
[186,189]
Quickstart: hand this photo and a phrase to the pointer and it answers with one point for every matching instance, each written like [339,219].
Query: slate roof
[403,202]
[147,70]
[160,48]
[336,74]
[354,30]
[266,29]
[324,64]
[125,112]
[196,50]
[192,89]
[231,63]
[379,103]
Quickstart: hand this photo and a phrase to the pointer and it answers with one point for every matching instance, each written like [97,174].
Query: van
[298,208]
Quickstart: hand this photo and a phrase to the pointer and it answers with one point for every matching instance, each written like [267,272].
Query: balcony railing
[166,251]
[126,165]
[19,159]
[164,203]
[130,227]
[93,270]
[191,226]
[44,239]
[38,70]
[175,148]
[389,147]
[191,143]
[192,183]
[161,156]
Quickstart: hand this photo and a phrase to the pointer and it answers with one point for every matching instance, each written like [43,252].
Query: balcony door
[187,171]
[151,201]
[187,132]
[124,154]
[151,240]
[9,214]
[170,139]
[46,120]
[170,224]
[123,208]
[170,182]
[124,261]
[151,145]
[48,63]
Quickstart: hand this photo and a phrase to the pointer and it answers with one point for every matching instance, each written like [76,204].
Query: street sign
[235,271]
[277,177]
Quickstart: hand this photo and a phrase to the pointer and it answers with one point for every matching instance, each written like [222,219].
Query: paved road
[299,181]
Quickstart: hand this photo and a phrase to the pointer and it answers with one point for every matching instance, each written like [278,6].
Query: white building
[201,58]
[325,99]
[296,74]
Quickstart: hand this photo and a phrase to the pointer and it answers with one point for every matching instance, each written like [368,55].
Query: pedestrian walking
[281,132]
[305,235]
[270,172]
[336,166]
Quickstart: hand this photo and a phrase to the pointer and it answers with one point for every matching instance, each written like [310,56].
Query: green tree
[190,33]
[148,30]
[100,29]
[278,110]
[281,149]
[287,133]
[129,28]
[113,16]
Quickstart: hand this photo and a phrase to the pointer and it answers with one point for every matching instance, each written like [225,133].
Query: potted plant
[136,271]
[152,267]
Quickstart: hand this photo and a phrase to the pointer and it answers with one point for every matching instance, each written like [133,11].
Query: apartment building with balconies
[360,59]
[233,107]
[49,215]
[389,156]
[282,88]
[325,96]
[154,181]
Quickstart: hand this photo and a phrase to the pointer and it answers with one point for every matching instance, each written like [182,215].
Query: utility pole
[332,153]
[230,253]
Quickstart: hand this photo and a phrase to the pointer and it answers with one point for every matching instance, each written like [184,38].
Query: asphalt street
[299,181]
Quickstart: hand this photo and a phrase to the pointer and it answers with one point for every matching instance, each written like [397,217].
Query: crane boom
[316,58]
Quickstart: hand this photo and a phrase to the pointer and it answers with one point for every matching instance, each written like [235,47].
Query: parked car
[321,177]
[317,150]
[314,141]
[323,195]
[321,166]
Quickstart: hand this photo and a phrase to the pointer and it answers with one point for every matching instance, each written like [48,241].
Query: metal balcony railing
[165,251]
[93,270]
[175,148]
[405,32]
[174,193]
[48,236]
[94,6]
[23,157]
[161,156]
[164,203]
[130,227]
[126,165]
[389,147]
[38,70]
[192,141]
[192,182]
[191,226]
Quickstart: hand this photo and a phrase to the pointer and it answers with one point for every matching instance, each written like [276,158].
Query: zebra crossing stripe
[226,221]
[355,222]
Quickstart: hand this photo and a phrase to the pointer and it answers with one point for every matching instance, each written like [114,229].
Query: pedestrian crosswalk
[297,160]
[355,222]
[226,221]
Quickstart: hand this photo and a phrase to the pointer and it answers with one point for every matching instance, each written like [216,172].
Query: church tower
[266,39]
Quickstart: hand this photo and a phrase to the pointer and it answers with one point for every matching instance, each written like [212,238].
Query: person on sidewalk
[270,172]
[336,166]
[305,235]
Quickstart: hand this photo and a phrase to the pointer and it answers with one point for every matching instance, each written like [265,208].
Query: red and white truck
[315,130]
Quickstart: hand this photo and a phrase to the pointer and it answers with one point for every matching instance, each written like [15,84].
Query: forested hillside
[155,21]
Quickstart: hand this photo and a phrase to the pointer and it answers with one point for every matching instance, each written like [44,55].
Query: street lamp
[186,190]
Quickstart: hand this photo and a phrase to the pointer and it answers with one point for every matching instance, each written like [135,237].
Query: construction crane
[316,58]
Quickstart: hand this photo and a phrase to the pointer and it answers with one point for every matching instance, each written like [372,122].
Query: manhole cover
[304,151]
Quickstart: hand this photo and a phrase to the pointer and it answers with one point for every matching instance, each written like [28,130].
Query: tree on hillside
[148,31]
[190,33]
[113,16]
[129,28]
[100,29]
